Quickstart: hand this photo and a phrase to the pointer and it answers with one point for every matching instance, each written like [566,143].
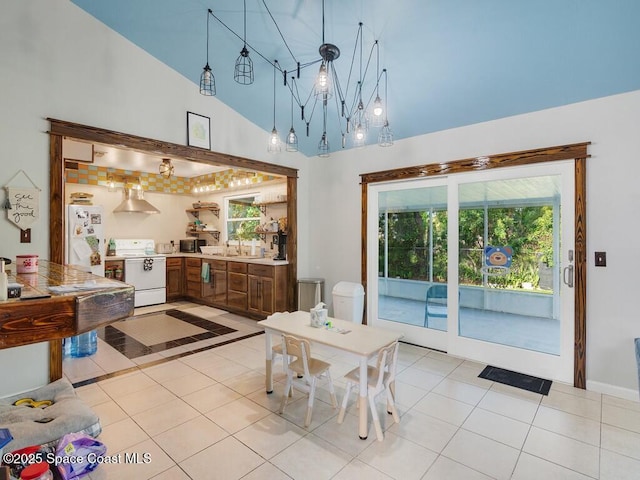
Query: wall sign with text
[22,203]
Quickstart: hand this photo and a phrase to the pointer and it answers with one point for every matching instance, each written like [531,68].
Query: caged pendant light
[292,138]
[243,73]
[323,145]
[360,132]
[274,145]
[377,117]
[207,80]
[385,137]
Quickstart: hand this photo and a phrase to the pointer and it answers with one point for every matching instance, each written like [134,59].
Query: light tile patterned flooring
[207,416]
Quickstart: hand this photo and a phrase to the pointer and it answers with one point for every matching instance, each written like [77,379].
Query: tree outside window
[243,218]
[413,244]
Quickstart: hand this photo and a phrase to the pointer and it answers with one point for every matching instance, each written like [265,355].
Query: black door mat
[515,379]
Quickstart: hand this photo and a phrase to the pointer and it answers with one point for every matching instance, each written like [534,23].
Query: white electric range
[144,269]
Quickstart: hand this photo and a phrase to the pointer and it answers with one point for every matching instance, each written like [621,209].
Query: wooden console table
[57,302]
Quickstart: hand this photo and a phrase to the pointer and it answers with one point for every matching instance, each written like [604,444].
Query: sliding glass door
[478,265]
[411,249]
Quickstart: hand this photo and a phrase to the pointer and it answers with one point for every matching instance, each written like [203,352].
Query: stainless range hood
[134,202]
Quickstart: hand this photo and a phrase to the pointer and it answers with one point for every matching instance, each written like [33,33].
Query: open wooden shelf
[263,206]
[196,211]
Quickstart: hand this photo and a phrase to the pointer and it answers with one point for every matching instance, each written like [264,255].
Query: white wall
[613,198]
[59,62]
[100,81]
[169,224]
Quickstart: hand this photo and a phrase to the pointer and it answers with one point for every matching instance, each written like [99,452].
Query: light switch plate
[601,259]
[25,235]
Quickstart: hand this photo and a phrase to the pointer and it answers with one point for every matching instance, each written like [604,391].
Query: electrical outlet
[601,259]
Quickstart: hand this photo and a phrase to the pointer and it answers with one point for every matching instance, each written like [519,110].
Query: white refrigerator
[85,237]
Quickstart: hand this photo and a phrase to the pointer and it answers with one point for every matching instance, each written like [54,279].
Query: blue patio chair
[436,304]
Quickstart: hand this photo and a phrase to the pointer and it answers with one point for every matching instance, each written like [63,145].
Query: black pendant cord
[292,106]
[281,36]
[244,33]
[322,22]
[377,68]
[275,62]
[211,12]
[253,49]
[386,119]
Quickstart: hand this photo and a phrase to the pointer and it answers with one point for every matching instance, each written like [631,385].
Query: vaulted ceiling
[450,63]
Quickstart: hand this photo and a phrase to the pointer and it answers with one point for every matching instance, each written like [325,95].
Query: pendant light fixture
[360,132]
[385,137]
[243,73]
[323,145]
[323,86]
[377,117]
[274,145]
[165,168]
[207,80]
[292,138]
[354,115]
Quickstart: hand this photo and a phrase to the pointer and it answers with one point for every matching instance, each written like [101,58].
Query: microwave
[192,245]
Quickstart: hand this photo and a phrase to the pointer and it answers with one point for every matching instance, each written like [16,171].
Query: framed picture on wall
[198,131]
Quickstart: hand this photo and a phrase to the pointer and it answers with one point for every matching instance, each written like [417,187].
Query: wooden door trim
[61,128]
[577,152]
[159,147]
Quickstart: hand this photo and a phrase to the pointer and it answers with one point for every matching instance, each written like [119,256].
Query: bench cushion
[69,413]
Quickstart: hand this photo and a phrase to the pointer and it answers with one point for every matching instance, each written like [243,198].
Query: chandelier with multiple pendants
[357,115]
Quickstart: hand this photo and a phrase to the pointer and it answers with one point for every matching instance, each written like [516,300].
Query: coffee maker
[282,246]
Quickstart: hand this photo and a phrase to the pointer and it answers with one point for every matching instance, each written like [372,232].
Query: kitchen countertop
[57,302]
[237,258]
[61,301]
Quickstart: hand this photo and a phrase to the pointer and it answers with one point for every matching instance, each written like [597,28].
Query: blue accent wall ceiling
[450,62]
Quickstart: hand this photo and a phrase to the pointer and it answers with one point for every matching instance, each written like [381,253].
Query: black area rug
[515,379]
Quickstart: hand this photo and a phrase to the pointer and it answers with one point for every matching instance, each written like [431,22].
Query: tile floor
[206,416]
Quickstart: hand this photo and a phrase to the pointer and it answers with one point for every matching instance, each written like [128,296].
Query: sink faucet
[237,248]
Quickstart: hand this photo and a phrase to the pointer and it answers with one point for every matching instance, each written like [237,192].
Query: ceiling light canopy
[356,110]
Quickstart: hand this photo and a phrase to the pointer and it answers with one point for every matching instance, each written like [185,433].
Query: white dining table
[362,341]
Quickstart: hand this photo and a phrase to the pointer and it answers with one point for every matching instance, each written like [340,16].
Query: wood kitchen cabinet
[175,278]
[266,289]
[216,289]
[193,267]
[237,285]
[114,269]
[252,289]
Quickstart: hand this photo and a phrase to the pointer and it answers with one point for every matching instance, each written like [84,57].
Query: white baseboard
[607,389]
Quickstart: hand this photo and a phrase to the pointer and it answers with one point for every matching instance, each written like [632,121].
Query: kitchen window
[242,218]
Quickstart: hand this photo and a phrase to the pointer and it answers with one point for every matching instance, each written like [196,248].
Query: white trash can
[348,301]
